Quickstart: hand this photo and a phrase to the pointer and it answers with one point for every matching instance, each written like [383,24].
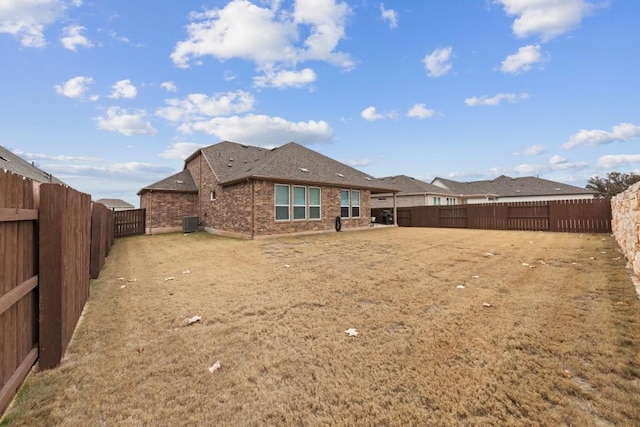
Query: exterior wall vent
[189,224]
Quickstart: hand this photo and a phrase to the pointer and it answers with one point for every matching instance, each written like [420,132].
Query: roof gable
[115,203]
[181,182]
[232,162]
[18,165]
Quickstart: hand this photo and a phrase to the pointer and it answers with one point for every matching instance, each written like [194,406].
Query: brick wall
[625,211]
[165,209]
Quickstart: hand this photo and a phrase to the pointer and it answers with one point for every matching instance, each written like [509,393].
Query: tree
[614,183]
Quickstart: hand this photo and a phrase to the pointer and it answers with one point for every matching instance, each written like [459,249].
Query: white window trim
[348,205]
[294,206]
[319,206]
[212,195]
[352,205]
[276,205]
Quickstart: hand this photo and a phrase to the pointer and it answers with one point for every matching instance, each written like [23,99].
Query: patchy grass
[557,345]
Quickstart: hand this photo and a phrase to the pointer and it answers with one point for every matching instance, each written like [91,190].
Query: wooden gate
[129,223]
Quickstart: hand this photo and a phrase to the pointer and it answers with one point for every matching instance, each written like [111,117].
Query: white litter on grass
[460,287]
[486,304]
[216,366]
[132,280]
[530,242]
[352,332]
[488,254]
[120,279]
[524,264]
[186,272]
[193,320]
[123,286]
[287,266]
[169,278]
[475,277]
[542,262]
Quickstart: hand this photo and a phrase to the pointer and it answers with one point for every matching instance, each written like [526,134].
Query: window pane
[299,196]
[355,211]
[314,196]
[282,212]
[344,197]
[344,212]
[355,198]
[282,194]
[299,212]
[314,212]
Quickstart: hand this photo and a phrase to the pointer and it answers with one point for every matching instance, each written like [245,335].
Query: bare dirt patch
[455,327]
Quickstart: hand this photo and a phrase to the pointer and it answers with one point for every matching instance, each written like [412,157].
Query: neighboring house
[411,192]
[116,204]
[441,191]
[506,189]
[245,191]
[19,166]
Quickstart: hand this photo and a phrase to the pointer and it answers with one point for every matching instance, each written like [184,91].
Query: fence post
[52,201]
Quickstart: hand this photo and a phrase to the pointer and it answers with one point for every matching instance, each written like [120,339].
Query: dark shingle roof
[17,165]
[408,185]
[505,186]
[233,162]
[182,182]
[115,203]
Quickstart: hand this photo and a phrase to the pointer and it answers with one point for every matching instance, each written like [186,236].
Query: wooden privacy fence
[575,216]
[129,223]
[52,240]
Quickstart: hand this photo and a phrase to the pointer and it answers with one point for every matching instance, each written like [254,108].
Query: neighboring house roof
[505,186]
[17,165]
[115,203]
[233,162]
[182,182]
[407,185]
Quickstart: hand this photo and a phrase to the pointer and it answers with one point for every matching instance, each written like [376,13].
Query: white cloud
[358,163]
[198,106]
[534,150]
[169,86]
[420,111]
[495,100]
[57,157]
[181,150]
[370,114]
[27,19]
[615,160]
[285,79]
[621,132]
[522,60]
[75,87]
[438,62]
[267,36]
[72,38]
[123,89]
[557,160]
[389,15]
[266,130]
[546,18]
[120,120]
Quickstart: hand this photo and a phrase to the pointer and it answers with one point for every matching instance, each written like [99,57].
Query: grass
[557,345]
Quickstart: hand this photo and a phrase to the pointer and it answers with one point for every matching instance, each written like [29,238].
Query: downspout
[150,211]
[253,216]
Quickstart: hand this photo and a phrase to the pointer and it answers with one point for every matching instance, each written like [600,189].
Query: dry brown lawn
[558,345]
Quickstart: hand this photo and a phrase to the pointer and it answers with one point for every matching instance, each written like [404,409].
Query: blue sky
[111,96]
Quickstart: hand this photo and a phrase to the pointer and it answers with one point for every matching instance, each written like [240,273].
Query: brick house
[245,191]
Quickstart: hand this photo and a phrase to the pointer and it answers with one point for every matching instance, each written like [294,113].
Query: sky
[112,96]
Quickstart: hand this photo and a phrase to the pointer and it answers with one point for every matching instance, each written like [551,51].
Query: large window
[282,202]
[299,202]
[355,203]
[344,203]
[350,203]
[314,203]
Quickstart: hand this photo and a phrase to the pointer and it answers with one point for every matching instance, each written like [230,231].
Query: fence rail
[574,216]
